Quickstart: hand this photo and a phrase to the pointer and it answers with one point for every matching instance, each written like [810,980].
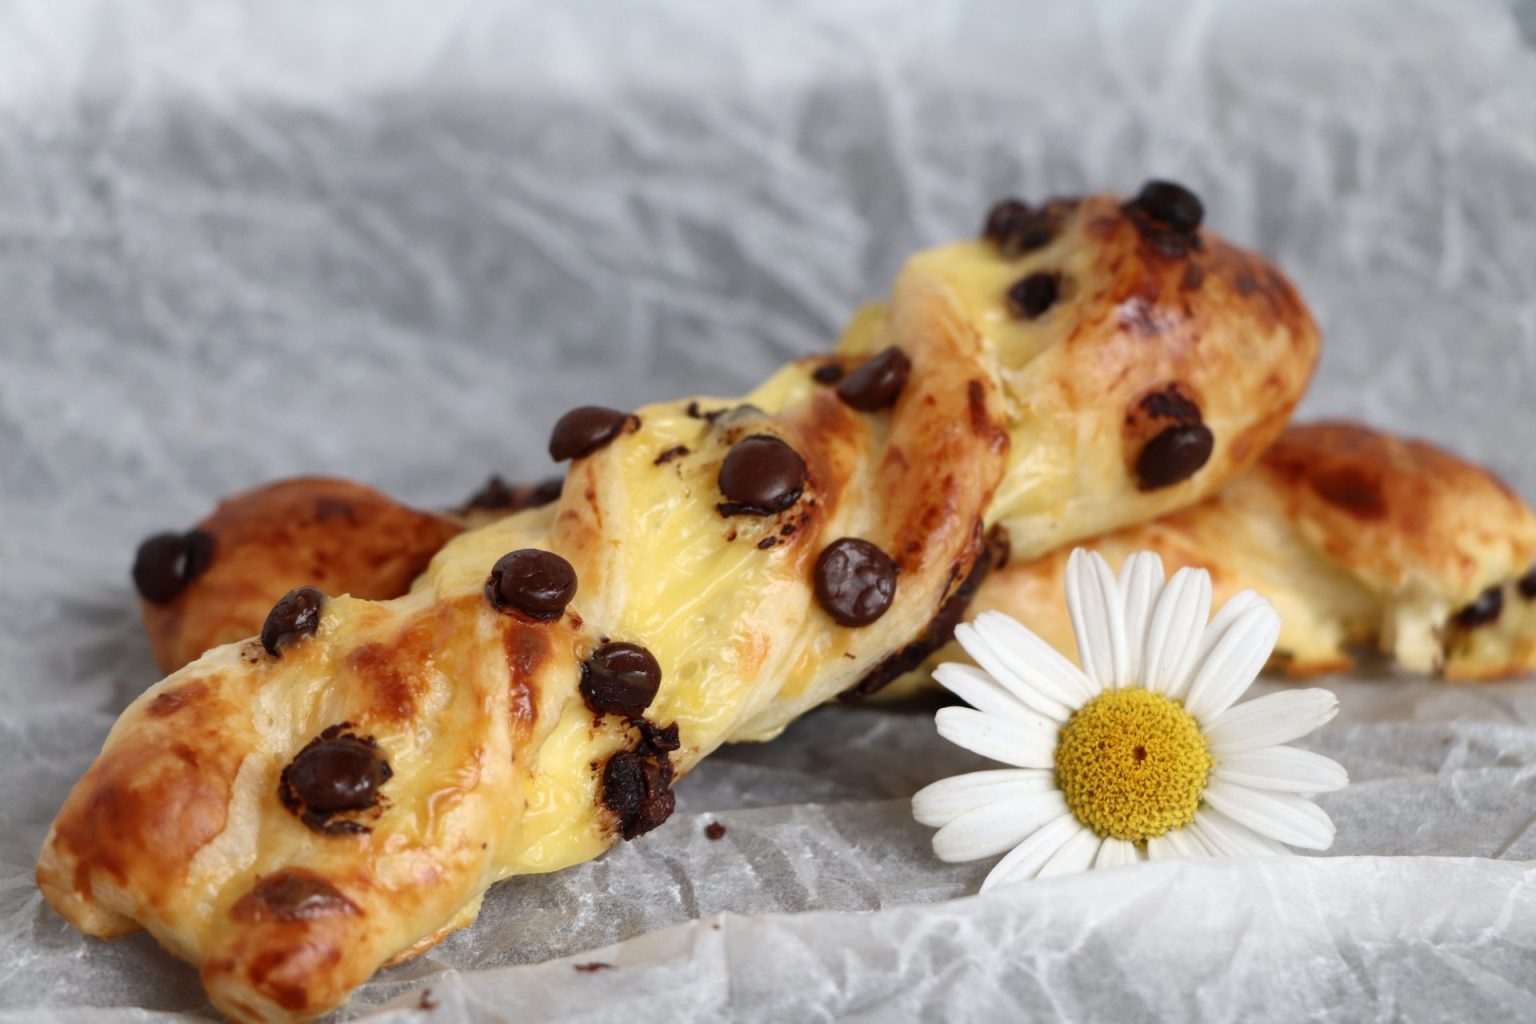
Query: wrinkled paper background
[394,241]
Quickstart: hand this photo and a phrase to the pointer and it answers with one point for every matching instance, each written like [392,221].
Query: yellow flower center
[1132,764]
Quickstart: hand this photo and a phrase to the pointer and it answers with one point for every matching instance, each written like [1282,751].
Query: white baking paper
[393,241]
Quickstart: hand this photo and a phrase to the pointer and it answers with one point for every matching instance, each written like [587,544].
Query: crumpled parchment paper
[394,241]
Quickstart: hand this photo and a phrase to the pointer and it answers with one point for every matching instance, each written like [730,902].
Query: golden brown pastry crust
[1359,538]
[497,765]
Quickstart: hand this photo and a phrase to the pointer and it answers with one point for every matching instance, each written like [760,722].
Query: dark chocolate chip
[1527,585]
[1016,229]
[336,772]
[295,616]
[1175,454]
[1484,611]
[714,830]
[1172,204]
[1033,295]
[537,583]
[586,429]
[877,384]
[167,562]
[546,493]
[637,784]
[293,894]
[828,373]
[760,475]
[855,581]
[620,679]
[497,494]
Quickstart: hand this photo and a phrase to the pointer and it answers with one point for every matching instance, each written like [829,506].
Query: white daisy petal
[1035,662]
[1115,853]
[1284,769]
[1224,617]
[1009,672]
[943,801]
[1173,634]
[1284,817]
[1233,662]
[978,689]
[1098,618]
[1075,856]
[989,831]
[1026,859]
[1269,720]
[1141,582]
[1180,842]
[1019,742]
[1228,838]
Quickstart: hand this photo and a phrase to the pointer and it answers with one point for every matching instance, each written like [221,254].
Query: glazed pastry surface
[294,811]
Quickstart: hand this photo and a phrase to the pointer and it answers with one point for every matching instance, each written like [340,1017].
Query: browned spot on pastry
[982,424]
[328,508]
[294,894]
[637,783]
[1247,284]
[1192,279]
[281,972]
[1349,488]
[172,701]
[382,670]
[675,452]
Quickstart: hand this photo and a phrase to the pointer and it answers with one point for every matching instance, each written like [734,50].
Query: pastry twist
[293,811]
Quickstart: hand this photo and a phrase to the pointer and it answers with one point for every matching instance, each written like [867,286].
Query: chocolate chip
[586,429]
[1527,585]
[295,616]
[828,373]
[167,562]
[1033,295]
[707,415]
[293,894]
[537,583]
[1017,229]
[1172,204]
[336,772]
[620,679]
[1175,454]
[497,494]
[855,581]
[1170,403]
[1484,611]
[714,830]
[877,384]
[546,493]
[761,475]
[637,784]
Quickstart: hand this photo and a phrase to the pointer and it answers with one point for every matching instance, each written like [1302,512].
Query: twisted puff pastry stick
[292,812]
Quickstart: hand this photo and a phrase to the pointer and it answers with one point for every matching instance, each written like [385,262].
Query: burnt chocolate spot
[1175,454]
[828,373]
[1170,404]
[1168,216]
[714,830]
[766,543]
[293,894]
[1016,229]
[855,581]
[328,508]
[595,965]
[336,772]
[1484,611]
[1033,295]
[877,384]
[708,416]
[166,563]
[620,679]
[761,475]
[587,429]
[295,616]
[941,630]
[537,583]
[675,452]
[1527,585]
[637,784]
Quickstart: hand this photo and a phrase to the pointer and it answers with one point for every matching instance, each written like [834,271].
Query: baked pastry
[293,811]
[1359,538]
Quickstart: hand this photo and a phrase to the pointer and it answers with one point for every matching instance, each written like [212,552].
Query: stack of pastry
[375,712]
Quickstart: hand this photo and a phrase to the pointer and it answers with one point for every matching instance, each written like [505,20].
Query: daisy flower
[1143,752]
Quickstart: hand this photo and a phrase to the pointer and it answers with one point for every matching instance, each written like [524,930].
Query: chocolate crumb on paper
[595,965]
[714,830]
